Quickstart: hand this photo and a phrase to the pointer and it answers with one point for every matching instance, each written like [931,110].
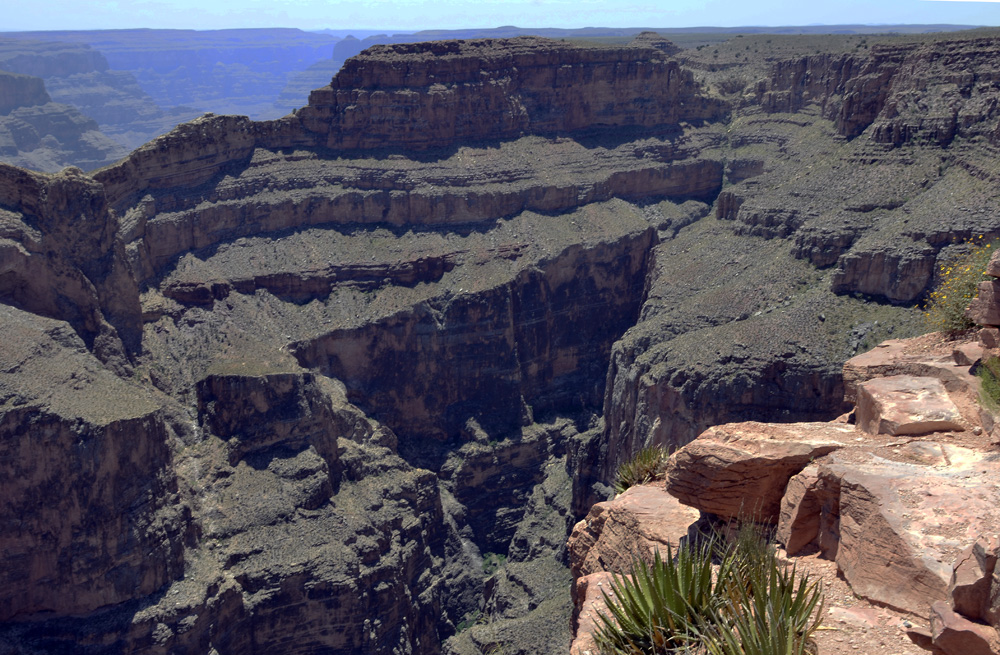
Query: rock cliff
[367,351]
[38,133]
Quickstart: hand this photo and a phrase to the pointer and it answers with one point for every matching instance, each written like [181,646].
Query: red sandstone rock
[985,307]
[956,635]
[809,513]
[974,572]
[588,595]
[926,356]
[741,469]
[993,266]
[892,526]
[903,404]
[640,520]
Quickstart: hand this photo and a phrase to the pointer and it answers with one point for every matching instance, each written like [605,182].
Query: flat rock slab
[929,355]
[640,520]
[895,529]
[740,470]
[906,405]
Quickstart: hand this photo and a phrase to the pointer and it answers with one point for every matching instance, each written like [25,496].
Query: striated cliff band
[342,382]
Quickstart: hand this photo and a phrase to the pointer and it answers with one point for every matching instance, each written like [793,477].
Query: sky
[412,15]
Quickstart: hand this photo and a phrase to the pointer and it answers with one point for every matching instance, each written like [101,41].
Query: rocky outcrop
[898,276]
[740,471]
[471,359]
[521,283]
[255,414]
[903,404]
[891,544]
[45,135]
[391,96]
[545,355]
[907,520]
[954,634]
[632,526]
[72,270]
[90,507]
[21,91]
[163,223]
[877,90]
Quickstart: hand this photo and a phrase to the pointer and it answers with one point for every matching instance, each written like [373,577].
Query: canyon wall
[359,355]
[44,135]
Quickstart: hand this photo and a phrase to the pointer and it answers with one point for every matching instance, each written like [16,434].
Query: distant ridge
[557,33]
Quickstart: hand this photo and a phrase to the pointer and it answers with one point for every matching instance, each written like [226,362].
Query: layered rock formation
[44,135]
[290,503]
[169,72]
[79,76]
[377,345]
[872,215]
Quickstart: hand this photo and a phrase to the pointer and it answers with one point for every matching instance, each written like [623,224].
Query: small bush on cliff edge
[946,304]
[645,466]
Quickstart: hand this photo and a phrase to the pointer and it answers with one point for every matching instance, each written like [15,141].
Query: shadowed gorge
[343,381]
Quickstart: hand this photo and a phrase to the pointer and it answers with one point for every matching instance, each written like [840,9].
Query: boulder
[905,404]
[993,267]
[638,521]
[985,307]
[926,356]
[973,574]
[894,526]
[953,634]
[968,353]
[809,512]
[741,470]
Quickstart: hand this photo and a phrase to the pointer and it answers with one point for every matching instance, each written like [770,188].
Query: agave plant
[752,605]
[657,607]
[775,613]
[647,465]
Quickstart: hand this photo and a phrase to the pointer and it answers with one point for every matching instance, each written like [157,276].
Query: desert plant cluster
[645,466]
[958,281]
[712,598]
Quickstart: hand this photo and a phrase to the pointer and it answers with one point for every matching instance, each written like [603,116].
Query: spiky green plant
[656,608]
[753,605]
[775,613]
[645,466]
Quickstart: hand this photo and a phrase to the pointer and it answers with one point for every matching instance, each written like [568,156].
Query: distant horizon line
[392,30]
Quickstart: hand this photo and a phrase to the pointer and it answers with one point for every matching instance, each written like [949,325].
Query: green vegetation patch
[645,466]
[989,375]
[492,562]
[752,605]
[958,281]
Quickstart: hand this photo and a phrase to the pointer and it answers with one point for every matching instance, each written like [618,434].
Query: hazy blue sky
[406,15]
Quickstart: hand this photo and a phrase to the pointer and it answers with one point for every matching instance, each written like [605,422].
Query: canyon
[344,380]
